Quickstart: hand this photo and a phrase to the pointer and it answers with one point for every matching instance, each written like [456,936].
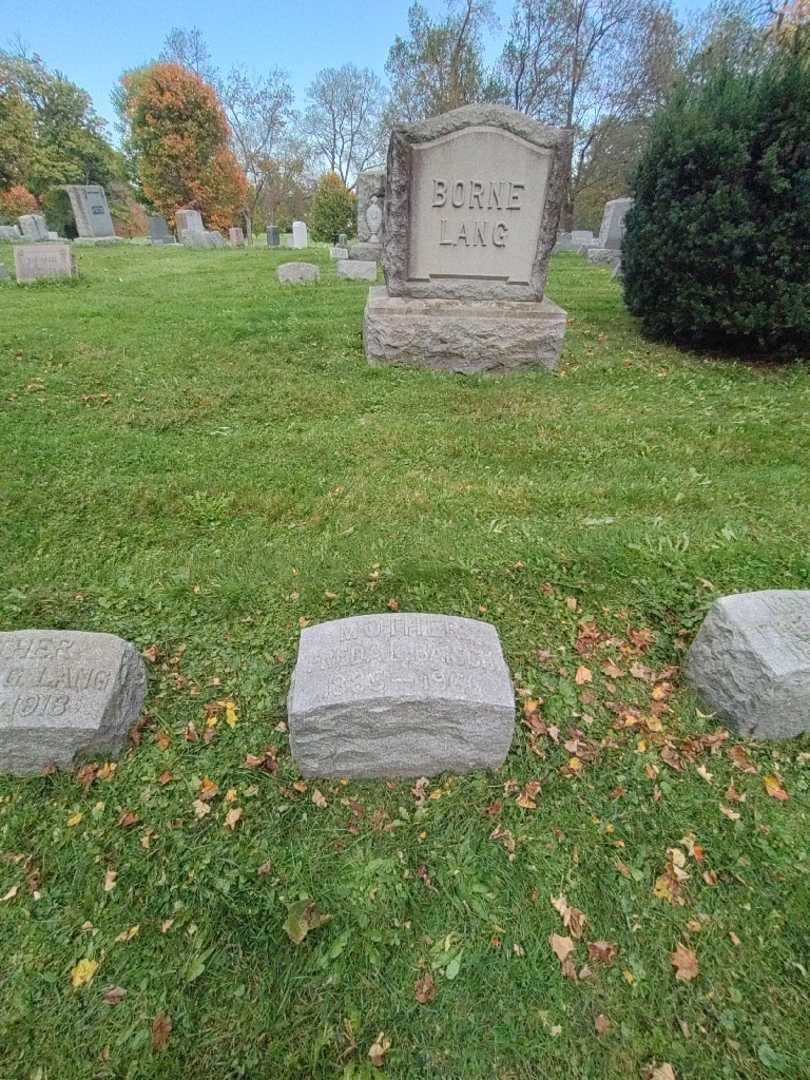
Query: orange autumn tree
[178,137]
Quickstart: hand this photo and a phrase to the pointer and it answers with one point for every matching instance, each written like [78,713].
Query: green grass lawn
[200,460]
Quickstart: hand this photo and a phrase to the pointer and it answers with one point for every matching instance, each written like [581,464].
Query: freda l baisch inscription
[477,205]
[64,695]
[400,695]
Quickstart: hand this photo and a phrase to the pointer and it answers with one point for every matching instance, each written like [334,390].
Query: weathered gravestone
[611,233]
[370,216]
[338,252]
[575,241]
[356,270]
[65,695]
[10,232]
[188,221]
[472,205]
[750,663]
[159,232]
[298,273]
[33,227]
[236,237]
[91,211]
[400,695]
[273,237]
[35,262]
[343,240]
[207,238]
[300,235]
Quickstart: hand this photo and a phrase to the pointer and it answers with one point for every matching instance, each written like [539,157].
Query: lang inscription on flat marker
[400,695]
[65,695]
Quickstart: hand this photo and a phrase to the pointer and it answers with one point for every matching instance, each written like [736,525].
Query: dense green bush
[333,209]
[717,243]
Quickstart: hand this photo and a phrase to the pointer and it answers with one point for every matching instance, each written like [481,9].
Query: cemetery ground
[199,459]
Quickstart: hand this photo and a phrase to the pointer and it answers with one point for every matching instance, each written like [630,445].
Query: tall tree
[179,138]
[188,48]
[343,120]
[440,64]
[66,143]
[595,66]
[259,111]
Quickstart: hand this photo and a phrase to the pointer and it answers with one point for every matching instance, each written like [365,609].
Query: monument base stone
[356,270]
[468,336]
[366,252]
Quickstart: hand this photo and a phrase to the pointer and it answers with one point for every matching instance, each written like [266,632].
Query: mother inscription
[65,695]
[400,695]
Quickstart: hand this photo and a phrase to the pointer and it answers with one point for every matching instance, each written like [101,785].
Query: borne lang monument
[472,206]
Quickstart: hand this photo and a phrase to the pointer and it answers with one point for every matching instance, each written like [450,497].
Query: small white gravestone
[35,262]
[400,695]
[300,235]
[65,695]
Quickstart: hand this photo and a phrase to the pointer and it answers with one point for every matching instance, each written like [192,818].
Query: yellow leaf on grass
[83,973]
[774,788]
[128,935]
[231,717]
[74,820]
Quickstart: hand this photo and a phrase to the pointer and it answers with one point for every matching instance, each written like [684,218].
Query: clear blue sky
[93,41]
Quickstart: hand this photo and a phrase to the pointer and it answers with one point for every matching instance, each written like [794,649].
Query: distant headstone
[10,232]
[65,695]
[298,273]
[236,237]
[611,233]
[750,663]
[604,257]
[575,241]
[206,238]
[300,235]
[53,234]
[370,215]
[343,240]
[33,227]
[356,270]
[400,695]
[159,231]
[273,237]
[472,205]
[91,211]
[36,262]
[188,221]
[338,252]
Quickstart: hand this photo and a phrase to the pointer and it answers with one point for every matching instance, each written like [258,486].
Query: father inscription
[400,695]
[64,695]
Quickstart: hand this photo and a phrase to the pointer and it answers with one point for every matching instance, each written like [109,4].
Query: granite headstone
[65,695]
[300,235]
[472,205]
[750,662]
[91,211]
[33,227]
[298,273]
[36,262]
[400,695]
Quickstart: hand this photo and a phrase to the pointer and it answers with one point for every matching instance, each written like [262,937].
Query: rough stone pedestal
[750,662]
[356,270]
[409,694]
[469,336]
[366,251]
